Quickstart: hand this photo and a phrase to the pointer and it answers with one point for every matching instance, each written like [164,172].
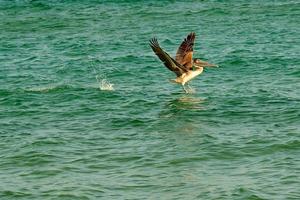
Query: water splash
[104,84]
[101,79]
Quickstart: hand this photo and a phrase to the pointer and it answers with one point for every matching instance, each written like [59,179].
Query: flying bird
[184,65]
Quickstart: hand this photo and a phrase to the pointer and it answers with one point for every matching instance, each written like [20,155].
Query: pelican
[184,65]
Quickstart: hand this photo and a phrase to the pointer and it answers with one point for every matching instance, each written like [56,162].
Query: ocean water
[87,110]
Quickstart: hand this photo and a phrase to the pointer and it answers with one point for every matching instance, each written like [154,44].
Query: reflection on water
[180,114]
[186,102]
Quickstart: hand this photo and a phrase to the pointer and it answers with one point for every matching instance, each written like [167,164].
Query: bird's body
[184,66]
[189,75]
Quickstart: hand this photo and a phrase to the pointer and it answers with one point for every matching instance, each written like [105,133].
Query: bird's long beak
[203,63]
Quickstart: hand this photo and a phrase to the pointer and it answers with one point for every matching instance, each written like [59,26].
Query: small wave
[47,88]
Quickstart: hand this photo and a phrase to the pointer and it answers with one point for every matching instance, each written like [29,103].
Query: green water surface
[87,110]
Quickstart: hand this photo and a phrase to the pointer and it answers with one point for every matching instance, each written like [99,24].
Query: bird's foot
[190,89]
[185,90]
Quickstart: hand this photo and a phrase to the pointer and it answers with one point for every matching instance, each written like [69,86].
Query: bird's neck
[198,69]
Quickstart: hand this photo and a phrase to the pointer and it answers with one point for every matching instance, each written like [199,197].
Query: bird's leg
[190,89]
[184,88]
[189,86]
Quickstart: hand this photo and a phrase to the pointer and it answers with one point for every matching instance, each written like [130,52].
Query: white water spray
[104,83]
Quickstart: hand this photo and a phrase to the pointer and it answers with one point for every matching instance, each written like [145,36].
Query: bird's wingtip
[153,42]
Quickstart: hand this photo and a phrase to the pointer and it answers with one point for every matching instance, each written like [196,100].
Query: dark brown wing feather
[184,55]
[168,61]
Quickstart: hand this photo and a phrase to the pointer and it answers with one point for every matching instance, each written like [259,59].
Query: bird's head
[201,63]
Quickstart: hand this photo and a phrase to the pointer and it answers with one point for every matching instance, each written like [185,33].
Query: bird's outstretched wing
[184,55]
[168,61]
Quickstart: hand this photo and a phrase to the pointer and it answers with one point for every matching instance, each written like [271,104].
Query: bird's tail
[173,81]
